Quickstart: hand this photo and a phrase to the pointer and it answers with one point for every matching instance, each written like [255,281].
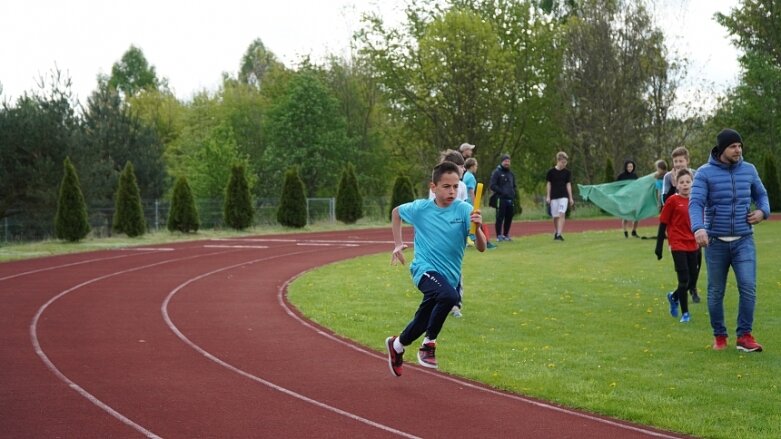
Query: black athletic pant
[504,216]
[686,268]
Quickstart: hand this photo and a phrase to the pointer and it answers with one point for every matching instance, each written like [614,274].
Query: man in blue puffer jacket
[723,222]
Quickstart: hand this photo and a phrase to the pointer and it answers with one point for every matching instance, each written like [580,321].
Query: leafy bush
[771,182]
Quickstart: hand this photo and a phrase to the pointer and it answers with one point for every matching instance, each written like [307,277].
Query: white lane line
[144,249]
[71,264]
[290,240]
[50,365]
[281,299]
[286,391]
[318,244]
[233,246]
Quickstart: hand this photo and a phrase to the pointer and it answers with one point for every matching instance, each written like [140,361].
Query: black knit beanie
[726,138]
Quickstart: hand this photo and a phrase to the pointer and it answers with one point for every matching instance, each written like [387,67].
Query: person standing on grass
[661,171]
[674,220]
[503,185]
[680,157]
[628,174]
[559,193]
[441,227]
[467,150]
[723,222]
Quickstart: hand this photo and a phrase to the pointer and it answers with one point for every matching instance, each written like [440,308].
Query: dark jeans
[438,299]
[687,269]
[741,255]
[504,216]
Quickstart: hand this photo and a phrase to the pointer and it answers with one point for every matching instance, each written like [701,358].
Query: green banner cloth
[627,199]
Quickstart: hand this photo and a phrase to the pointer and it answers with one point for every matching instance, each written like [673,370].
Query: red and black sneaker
[746,343]
[427,355]
[395,359]
[720,343]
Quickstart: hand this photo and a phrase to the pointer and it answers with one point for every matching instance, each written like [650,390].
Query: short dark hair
[442,169]
[683,171]
[470,163]
[451,155]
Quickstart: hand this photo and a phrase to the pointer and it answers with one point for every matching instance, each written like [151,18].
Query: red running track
[196,339]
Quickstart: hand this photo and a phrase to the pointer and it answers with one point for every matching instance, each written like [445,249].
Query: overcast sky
[193,43]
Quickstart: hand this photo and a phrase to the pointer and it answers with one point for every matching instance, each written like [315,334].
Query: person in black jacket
[628,174]
[503,186]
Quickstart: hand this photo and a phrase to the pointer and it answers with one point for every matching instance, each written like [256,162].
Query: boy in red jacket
[674,219]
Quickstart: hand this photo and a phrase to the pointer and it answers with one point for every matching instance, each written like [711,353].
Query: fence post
[157,215]
[332,209]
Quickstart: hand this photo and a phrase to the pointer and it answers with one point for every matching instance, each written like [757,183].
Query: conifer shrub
[292,210]
[403,192]
[771,182]
[128,212]
[70,222]
[349,202]
[238,208]
[183,215]
[610,173]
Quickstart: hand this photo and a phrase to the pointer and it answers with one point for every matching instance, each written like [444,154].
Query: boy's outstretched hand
[398,254]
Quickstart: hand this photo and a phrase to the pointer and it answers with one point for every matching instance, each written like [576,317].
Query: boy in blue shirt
[441,227]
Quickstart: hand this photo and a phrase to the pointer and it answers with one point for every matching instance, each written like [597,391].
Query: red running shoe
[427,355]
[395,359]
[720,343]
[746,343]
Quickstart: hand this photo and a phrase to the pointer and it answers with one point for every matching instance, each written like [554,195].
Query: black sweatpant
[687,269]
[504,216]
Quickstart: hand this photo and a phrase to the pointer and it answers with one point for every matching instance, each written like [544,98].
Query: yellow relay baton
[478,196]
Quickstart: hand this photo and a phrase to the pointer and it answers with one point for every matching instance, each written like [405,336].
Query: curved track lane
[196,340]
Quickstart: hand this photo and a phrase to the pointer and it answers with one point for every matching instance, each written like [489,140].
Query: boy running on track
[441,227]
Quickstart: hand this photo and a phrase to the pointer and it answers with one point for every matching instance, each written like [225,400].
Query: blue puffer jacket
[721,198]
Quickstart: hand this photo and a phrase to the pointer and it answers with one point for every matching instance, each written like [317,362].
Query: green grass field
[584,323]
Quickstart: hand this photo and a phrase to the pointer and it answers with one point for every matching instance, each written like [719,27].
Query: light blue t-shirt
[471,183]
[440,234]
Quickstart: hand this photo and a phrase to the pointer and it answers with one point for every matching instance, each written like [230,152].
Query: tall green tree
[256,63]
[111,135]
[37,132]
[292,210]
[304,128]
[610,172]
[618,80]
[128,211]
[754,105]
[349,202]
[483,72]
[133,73]
[238,208]
[183,214]
[71,222]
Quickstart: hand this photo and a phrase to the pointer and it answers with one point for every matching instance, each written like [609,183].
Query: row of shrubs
[71,220]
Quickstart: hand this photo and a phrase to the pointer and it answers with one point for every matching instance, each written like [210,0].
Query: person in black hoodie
[503,186]
[628,174]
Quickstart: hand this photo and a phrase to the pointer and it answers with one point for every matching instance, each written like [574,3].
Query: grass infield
[583,323]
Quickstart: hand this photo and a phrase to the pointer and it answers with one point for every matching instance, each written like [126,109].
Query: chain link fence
[20,226]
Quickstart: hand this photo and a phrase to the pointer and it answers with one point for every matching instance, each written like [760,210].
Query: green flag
[627,199]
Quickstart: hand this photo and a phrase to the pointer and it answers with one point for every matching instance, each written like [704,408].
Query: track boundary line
[286,391]
[72,264]
[72,384]
[281,297]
